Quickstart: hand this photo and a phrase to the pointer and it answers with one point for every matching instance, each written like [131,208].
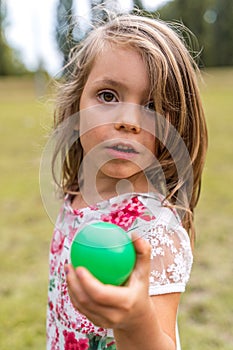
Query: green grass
[25,229]
[206,310]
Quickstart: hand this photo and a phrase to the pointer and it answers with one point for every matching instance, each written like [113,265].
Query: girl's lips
[122,151]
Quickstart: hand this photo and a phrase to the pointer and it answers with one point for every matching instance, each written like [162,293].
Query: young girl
[132,136]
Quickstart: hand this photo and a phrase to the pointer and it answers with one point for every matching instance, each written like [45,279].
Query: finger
[71,277]
[104,311]
[76,292]
[84,288]
[99,293]
[78,295]
[143,252]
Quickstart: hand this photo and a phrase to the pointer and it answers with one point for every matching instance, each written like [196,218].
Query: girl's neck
[105,188]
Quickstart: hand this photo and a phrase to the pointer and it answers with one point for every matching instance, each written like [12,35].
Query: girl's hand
[108,306]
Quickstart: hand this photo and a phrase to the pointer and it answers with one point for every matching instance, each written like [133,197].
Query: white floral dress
[171,261]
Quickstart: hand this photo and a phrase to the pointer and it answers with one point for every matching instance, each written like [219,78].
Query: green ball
[105,250]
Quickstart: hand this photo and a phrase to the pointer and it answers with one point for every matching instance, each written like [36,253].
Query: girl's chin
[120,172]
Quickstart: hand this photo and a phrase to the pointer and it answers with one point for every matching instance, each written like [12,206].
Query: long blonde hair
[173,79]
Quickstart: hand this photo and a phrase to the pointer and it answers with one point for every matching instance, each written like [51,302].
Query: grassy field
[206,311]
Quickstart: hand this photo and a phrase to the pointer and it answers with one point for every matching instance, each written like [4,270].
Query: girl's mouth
[123,148]
[122,151]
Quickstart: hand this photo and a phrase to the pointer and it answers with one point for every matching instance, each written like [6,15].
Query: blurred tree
[223,33]
[10,63]
[97,11]
[64,28]
[211,22]
[3,46]
[190,13]
[69,29]
[138,4]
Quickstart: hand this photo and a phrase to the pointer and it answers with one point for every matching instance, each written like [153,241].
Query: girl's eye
[150,105]
[106,96]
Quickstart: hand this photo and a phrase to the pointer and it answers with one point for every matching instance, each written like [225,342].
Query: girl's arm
[156,330]
[139,321]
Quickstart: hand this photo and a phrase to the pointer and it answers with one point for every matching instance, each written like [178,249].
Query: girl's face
[117,114]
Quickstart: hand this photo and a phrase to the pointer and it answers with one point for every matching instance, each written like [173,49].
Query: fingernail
[80,272]
[66,269]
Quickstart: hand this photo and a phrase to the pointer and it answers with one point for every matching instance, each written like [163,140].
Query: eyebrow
[111,82]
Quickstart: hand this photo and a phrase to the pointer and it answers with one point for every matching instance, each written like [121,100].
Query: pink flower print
[147,217]
[53,265]
[114,205]
[110,344]
[72,233]
[50,305]
[124,216]
[71,343]
[94,207]
[57,242]
[83,344]
[87,328]
[78,212]
[54,345]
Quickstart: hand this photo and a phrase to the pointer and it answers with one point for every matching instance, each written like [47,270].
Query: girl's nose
[127,127]
[128,118]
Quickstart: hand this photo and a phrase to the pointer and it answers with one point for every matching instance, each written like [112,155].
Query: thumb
[143,252]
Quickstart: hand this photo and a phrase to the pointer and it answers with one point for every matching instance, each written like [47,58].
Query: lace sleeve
[171,258]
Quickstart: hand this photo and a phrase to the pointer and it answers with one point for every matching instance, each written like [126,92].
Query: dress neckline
[111,201]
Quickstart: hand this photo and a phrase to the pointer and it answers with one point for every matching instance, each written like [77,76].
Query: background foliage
[10,62]
[209,20]
[206,311]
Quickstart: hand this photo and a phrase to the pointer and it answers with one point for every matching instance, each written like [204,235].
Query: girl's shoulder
[161,207]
